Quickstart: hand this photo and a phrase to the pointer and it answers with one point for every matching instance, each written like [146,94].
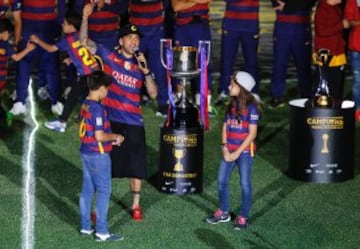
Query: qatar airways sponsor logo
[124,79]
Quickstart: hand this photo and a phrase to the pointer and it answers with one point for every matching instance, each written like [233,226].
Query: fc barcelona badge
[127,65]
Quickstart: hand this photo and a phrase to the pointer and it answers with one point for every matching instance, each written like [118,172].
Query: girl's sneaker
[107,237]
[240,223]
[218,217]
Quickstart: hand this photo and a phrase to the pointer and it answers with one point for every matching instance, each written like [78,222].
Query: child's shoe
[240,223]
[218,217]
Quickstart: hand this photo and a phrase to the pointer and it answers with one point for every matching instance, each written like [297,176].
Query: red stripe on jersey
[148,8]
[122,106]
[242,16]
[103,27]
[119,91]
[147,21]
[38,16]
[250,3]
[293,18]
[40,4]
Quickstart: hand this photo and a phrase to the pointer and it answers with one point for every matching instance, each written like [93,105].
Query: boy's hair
[74,18]
[6,25]
[98,79]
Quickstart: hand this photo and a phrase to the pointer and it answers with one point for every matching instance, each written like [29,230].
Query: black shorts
[129,159]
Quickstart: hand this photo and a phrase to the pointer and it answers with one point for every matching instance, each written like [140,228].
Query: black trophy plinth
[181,160]
[321,142]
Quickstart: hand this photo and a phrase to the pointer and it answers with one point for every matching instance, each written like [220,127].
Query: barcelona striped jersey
[6,5]
[196,13]
[82,59]
[149,14]
[123,99]
[237,129]
[6,50]
[93,117]
[295,23]
[242,15]
[105,20]
[42,17]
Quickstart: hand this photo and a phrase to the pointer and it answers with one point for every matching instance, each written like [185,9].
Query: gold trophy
[322,96]
[178,154]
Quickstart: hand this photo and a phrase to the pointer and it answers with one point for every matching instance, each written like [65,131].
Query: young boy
[96,143]
[6,50]
[83,61]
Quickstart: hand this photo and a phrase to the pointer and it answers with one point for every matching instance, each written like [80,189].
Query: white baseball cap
[245,80]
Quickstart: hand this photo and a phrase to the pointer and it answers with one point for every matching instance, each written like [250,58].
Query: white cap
[245,80]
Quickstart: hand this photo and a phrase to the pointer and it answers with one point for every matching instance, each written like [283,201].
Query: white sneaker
[66,92]
[56,125]
[13,95]
[18,108]
[57,108]
[43,93]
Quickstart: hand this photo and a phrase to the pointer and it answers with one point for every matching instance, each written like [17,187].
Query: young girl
[238,148]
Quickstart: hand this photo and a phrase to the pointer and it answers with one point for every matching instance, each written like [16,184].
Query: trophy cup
[322,96]
[182,62]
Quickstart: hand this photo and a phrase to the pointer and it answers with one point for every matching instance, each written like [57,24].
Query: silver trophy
[183,63]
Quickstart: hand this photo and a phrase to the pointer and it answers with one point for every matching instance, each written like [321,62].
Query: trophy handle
[167,43]
[207,45]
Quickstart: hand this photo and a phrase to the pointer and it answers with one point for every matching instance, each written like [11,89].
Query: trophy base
[189,75]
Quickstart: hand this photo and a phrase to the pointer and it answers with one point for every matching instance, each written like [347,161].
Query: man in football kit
[129,73]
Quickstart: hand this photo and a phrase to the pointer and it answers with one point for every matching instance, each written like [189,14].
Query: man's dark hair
[6,25]
[74,18]
[98,79]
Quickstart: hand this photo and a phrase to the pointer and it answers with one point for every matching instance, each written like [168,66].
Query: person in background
[291,37]
[129,72]
[15,9]
[192,25]
[96,143]
[80,57]
[352,14]
[6,51]
[44,19]
[240,26]
[238,148]
[149,17]
[329,24]
[105,20]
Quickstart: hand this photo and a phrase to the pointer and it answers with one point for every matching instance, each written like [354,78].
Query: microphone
[136,53]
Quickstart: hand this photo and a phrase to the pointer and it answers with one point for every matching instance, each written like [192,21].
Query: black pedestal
[321,142]
[181,160]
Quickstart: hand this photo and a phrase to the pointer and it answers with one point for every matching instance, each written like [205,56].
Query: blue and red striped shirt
[238,129]
[93,117]
[6,5]
[123,99]
[242,15]
[6,50]
[82,59]
[187,16]
[146,14]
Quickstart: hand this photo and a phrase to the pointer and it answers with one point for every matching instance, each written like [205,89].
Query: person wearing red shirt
[352,13]
[329,24]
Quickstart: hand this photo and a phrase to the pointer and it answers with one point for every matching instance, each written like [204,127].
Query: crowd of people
[110,50]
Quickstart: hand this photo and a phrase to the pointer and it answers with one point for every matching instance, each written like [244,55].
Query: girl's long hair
[241,102]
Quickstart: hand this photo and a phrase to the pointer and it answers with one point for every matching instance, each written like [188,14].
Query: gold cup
[178,154]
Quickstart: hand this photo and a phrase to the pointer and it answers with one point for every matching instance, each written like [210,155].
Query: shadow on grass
[213,239]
